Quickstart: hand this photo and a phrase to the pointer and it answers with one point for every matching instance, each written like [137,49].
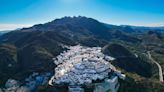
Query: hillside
[38,44]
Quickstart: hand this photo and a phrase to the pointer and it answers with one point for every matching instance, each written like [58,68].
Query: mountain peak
[74,19]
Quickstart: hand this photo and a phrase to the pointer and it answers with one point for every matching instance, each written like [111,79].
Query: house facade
[109,85]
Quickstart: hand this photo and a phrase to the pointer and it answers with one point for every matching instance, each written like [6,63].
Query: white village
[77,67]
[85,66]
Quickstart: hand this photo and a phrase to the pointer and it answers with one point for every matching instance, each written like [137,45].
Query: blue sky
[23,13]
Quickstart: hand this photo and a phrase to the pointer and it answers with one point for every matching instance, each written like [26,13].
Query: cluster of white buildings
[82,65]
[28,85]
[76,67]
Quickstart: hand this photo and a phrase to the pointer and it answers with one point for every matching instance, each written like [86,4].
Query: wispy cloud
[156,24]
[13,26]
[153,24]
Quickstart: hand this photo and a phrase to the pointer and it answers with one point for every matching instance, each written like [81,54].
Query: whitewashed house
[109,85]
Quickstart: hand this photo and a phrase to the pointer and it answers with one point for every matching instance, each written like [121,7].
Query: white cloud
[13,26]
[156,24]
[153,24]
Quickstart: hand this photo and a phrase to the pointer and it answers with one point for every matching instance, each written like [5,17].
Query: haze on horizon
[24,13]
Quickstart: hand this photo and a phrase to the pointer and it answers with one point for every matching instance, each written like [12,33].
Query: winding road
[159,67]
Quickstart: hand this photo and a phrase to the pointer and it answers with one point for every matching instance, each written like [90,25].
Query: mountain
[36,46]
[29,50]
[127,60]
[3,32]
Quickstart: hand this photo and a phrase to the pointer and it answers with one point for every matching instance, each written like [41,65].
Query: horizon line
[14,26]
